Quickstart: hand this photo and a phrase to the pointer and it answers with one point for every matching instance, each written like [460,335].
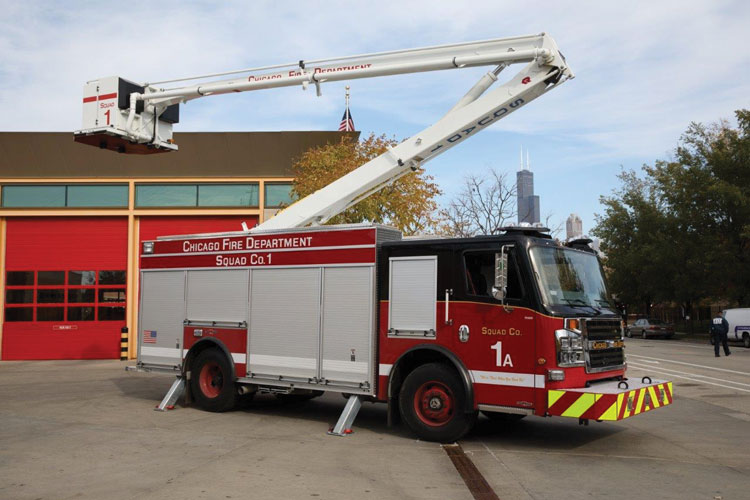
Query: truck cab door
[496,339]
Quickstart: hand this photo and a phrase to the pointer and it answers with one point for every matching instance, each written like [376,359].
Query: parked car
[650,327]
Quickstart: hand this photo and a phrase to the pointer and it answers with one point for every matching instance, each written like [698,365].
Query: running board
[344,426]
[173,394]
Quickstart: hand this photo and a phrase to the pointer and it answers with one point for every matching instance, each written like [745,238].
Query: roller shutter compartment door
[65,288]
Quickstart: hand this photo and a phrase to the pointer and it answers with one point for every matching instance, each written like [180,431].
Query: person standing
[719,331]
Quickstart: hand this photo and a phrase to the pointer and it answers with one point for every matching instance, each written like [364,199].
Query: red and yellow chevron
[607,404]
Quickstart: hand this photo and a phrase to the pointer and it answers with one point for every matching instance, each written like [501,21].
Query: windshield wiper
[604,302]
[581,303]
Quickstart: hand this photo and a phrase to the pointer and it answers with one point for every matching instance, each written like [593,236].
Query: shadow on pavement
[546,433]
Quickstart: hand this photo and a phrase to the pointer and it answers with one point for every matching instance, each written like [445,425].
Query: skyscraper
[573,227]
[528,202]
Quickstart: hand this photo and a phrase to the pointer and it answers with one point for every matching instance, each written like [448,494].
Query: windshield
[569,277]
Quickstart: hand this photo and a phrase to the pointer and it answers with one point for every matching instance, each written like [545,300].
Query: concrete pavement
[88,430]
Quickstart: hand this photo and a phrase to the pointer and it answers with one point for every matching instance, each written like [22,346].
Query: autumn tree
[407,204]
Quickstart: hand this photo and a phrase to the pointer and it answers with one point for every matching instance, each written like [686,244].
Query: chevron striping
[553,396]
[582,404]
[655,403]
[610,414]
[597,406]
[641,397]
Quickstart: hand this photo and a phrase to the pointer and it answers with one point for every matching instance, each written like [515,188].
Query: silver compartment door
[162,314]
[348,298]
[217,295]
[285,322]
[413,296]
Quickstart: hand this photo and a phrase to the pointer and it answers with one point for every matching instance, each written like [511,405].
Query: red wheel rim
[434,403]
[211,380]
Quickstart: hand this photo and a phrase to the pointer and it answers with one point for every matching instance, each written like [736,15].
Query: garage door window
[66,295]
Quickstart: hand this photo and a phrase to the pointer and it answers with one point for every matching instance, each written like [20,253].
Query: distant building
[528,203]
[573,227]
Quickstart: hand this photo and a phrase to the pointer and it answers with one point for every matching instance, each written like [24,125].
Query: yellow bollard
[124,343]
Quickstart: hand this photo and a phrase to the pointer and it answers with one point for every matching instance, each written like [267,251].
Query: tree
[682,234]
[632,231]
[708,190]
[483,206]
[407,204]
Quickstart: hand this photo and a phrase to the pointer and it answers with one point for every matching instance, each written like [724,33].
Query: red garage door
[65,288]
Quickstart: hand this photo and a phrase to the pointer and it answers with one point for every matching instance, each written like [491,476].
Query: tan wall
[201,154]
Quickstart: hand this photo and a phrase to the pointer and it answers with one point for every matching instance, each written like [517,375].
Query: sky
[644,70]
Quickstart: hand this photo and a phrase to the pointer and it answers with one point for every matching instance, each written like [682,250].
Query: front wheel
[643,334]
[212,381]
[746,340]
[628,333]
[432,402]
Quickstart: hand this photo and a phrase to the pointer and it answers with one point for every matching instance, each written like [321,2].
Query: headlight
[569,345]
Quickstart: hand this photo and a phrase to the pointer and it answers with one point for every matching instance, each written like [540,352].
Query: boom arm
[140,121]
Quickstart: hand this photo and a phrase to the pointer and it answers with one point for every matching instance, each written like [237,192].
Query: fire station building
[72,219]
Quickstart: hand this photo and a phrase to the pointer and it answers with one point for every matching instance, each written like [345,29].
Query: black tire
[432,402]
[746,340]
[628,332]
[643,334]
[212,381]
[503,417]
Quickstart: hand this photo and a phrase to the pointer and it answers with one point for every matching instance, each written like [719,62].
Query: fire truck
[440,329]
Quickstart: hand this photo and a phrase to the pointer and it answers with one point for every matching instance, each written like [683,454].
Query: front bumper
[610,400]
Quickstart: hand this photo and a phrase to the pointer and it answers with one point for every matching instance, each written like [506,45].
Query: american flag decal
[149,336]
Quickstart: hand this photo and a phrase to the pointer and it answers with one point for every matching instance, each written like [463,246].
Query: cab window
[480,274]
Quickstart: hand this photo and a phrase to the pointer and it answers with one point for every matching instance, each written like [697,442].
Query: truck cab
[516,315]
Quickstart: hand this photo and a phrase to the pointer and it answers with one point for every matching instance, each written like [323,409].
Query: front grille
[603,329]
[605,358]
[598,331]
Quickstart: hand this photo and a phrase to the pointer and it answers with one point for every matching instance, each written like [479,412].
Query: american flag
[149,336]
[347,123]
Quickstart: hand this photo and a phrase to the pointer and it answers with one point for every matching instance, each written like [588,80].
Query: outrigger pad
[610,400]
[118,144]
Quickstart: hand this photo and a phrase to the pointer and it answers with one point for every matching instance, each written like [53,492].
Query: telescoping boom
[131,118]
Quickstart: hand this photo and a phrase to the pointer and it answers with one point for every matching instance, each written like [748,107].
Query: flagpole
[347,96]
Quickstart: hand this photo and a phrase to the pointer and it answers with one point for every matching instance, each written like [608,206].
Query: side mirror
[501,275]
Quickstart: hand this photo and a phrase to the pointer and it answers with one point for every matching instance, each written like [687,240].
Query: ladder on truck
[144,114]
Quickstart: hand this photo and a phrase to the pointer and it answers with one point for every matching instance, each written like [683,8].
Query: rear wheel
[211,381]
[643,334]
[432,402]
[628,332]
[746,340]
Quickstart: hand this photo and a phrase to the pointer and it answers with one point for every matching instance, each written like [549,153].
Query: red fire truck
[510,325]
